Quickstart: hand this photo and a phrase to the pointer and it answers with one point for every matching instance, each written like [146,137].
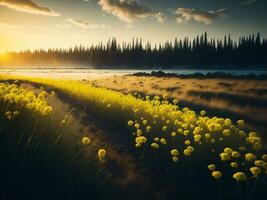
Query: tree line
[199,51]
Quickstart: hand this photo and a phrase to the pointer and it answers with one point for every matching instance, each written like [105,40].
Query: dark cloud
[28,6]
[207,17]
[129,10]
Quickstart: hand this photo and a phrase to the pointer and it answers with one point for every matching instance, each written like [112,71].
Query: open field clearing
[142,138]
[246,99]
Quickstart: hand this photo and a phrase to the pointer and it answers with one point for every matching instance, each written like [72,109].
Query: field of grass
[133,138]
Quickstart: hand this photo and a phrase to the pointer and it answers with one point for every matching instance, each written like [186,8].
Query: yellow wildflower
[250,157]
[240,176]
[155,145]
[101,154]
[211,167]
[130,123]
[234,164]
[163,141]
[216,174]
[86,140]
[225,156]
[255,171]
[174,152]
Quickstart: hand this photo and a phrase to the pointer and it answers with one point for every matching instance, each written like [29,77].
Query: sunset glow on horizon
[35,24]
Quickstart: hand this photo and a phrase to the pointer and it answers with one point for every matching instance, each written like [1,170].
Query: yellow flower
[242,133]
[212,140]
[197,138]
[155,145]
[8,115]
[139,132]
[216,174]
[253,134]
[228,122]
[175,158]
[164,128]
[187,152]
[234,164]
[258,163]
[141,139]
[52,93]
[241,122]
[240,176]
[257,146]
[191,148]
[255,171]
[235,154]
[228,150]
[202,112]
[207,136]
[156,139]
[187,142]
[227,132]
[101,154]
[145,122]
[15,113]
[137,125]
[211,167]
[138,145]
[186,132]
[264,157]
[130,123]
[175,101]
[250,157]
[86,140]
[225,156]
[174,152]
[173,134]
[148,128]
[163,141]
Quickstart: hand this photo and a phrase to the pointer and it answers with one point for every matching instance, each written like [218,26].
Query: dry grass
[228,97]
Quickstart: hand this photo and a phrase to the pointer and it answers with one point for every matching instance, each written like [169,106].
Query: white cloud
[207,17]
[86,24]
[28,6]
[248,2]
[9,26]
[129,10]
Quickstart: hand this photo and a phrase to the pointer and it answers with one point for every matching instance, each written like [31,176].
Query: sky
[35,24]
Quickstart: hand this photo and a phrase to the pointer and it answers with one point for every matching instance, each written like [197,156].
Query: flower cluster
[164,124]
[14,94]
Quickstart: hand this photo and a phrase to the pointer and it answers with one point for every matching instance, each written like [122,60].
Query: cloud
[207,17]
[63,26]
[84,24]
[28,6]
[129,10]
[248,2]
[9,26]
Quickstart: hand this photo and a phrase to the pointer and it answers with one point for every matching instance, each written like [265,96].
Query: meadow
[129,137]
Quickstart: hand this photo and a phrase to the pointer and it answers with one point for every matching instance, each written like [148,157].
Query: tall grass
[42,155]
[196,149]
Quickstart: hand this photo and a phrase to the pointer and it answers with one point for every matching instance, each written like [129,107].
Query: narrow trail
[122,168]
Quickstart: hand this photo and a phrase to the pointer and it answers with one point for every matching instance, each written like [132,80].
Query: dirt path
[121,168]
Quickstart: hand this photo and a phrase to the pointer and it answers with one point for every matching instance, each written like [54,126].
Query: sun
[4,56]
